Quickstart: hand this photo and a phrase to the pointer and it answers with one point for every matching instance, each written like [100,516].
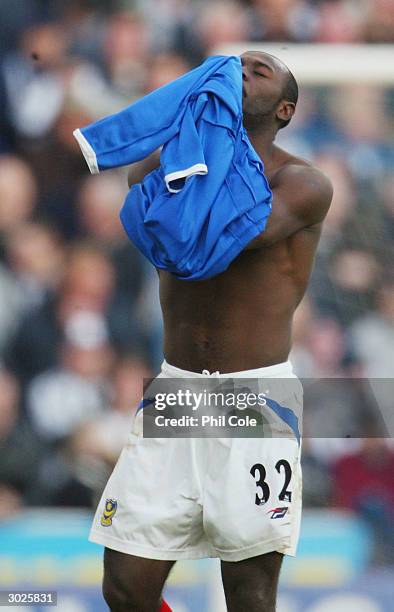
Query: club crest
[110,508]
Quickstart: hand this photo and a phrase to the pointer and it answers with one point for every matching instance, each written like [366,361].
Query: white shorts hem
[197,552]
[129,548]
[278,545]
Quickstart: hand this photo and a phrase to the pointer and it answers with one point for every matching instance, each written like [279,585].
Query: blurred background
[79,316]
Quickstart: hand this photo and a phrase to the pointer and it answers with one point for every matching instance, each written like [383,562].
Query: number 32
[261,483]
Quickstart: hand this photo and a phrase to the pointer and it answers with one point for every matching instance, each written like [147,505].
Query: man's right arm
[140,169]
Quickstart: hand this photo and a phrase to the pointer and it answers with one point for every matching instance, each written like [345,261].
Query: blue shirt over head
[209,198]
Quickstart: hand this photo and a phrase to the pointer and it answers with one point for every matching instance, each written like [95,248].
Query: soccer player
[233,498]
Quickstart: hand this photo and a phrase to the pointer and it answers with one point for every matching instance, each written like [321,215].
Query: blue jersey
[209,198]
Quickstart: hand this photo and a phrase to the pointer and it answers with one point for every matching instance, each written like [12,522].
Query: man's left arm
[301,198]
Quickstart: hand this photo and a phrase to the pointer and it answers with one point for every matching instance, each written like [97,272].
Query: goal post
[328,64]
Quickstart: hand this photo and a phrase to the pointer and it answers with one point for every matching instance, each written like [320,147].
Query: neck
[262,139]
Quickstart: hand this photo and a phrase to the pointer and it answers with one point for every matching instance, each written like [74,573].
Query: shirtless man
[237,322]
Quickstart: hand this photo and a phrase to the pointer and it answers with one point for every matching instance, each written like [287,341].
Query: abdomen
[236,321]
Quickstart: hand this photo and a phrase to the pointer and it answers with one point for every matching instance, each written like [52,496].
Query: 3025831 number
[259,473]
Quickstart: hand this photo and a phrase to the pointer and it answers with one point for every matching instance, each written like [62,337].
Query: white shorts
[188,498]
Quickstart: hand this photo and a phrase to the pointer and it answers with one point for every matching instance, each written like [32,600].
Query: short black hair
[290,93]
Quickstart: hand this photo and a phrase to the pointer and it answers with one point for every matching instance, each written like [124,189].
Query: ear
[285,110]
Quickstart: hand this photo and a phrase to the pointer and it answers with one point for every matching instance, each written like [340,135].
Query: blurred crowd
[79,317]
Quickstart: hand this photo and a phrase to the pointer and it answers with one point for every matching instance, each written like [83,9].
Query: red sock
[165,607]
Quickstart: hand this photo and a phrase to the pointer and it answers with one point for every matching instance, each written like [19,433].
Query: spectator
[59,400]
[106,437]
[221,22]
[324,348]
[35,98]
[353,278]
[285,20]
[373,335]
[378,26]
[340,22]
[163,68]
[18,191]
[363,482]
[87,284]
[99,203]
[86,457]
[125,50]
[19,450]
[36,258]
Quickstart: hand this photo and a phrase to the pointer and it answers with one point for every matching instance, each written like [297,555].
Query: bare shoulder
[304,175]
[307,189]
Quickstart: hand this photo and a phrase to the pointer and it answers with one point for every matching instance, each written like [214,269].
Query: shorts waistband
[278,370]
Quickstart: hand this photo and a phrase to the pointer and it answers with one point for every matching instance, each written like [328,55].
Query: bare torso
[242,318]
